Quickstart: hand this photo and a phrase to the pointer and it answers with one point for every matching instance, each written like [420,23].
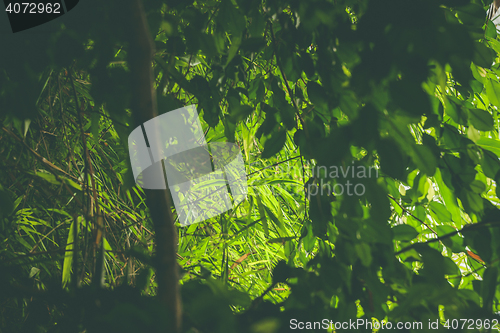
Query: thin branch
[468,227]
[42,159]
[409,213]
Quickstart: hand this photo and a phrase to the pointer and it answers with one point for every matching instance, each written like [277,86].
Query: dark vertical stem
[140,56]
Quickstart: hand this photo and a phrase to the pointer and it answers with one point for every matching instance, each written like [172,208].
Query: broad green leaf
[281,272]
[442,214]
[231,18]
[391,159]
[274,144]
[258,24]
[241,112]
[483,55]
[364,253]
[471,14]
[287,114]
[492,90]
[255,85]
[317,95]
[477,186]
[473,134]
[424,159]
[491,30]
[490,163]
[492,145]
[309,240]
[495,44]
[450,268]
[449,198]
[235,44]
[404,232]
[481,119]
[476,86]
[488,287]
[456,111]
[229,129]
[475,201]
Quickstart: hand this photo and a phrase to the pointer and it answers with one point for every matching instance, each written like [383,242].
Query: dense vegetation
[406,90]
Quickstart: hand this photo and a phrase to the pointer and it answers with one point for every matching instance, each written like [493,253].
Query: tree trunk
[144,107]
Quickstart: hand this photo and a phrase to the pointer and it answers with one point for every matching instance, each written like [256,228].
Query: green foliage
[409,90]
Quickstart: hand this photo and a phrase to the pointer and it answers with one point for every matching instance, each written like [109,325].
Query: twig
[409,213]
[468,227]
[51,166]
